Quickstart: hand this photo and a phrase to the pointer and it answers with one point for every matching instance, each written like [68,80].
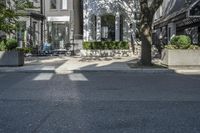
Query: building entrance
[58,34]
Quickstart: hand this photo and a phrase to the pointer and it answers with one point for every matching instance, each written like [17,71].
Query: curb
[138,70]
[27,71]
[182,71]
[123,71]
[79,71]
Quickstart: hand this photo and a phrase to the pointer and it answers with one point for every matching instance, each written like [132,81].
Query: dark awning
[178,13]
[188,22]
[32,13]
[37,16]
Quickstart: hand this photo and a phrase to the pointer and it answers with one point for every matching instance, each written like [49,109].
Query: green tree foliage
[22,4]
[8,18]
[9,14]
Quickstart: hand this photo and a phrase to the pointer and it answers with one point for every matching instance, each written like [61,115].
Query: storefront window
[58,34]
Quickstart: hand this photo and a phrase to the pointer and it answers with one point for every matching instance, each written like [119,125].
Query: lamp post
[42,21]
[72,29]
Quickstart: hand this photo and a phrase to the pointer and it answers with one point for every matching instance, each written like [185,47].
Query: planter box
[106,53]
[183,58]
[11,58]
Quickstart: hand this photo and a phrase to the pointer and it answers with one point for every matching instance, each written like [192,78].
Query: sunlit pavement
[99,102]
[65,65]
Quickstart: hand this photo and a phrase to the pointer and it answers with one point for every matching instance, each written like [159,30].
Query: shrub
[2,46]
[194,47]
[25,50]
[170,46]
[86,45]
[11,44]
[105,45]
[181,42]
[124,45]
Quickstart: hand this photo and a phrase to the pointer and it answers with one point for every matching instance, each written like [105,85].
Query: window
[63,4]
[53,4]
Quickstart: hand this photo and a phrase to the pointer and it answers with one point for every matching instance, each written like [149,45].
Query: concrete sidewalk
[37,64]
[64,65]
[89,64]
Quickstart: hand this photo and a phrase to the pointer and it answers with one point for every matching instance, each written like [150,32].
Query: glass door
[58,34]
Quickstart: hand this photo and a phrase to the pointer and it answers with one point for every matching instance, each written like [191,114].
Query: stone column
[117,27]
[90,28]
[98,28]
[85,20]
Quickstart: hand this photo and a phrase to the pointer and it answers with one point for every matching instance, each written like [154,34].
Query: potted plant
[181,52]
[9,54]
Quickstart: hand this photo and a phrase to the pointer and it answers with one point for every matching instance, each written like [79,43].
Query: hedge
[181,42]
[105,45]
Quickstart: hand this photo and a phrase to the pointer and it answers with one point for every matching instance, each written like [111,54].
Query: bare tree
[148,9]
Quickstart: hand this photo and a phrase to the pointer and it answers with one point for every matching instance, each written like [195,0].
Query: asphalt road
[99,102]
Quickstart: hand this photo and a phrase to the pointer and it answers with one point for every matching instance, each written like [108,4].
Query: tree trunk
[145,32]
[146,46]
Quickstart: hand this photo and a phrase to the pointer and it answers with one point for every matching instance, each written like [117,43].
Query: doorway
[108,27]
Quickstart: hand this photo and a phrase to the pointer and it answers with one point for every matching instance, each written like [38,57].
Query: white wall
[101,7]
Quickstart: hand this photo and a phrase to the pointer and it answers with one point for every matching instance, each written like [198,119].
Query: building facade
[55,21]
[28,32]
[177,17]
[109,20]
[62,24]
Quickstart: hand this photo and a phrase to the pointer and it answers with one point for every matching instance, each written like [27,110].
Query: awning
[37,16]
[188,22]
